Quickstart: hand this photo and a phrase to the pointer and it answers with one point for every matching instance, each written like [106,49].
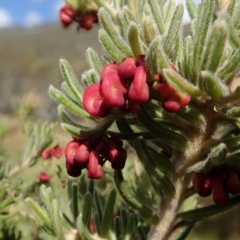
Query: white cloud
[5,18]
[33,19]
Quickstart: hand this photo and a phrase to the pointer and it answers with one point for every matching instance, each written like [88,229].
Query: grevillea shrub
[169,100]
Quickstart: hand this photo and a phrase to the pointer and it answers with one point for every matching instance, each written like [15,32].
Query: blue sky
[33,12]
[28,12]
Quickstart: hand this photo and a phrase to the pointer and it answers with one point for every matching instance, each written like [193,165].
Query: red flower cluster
[92,153]
[219,182]
[173,100]
[85,20]
[56,151]
[44,177]
[122,86]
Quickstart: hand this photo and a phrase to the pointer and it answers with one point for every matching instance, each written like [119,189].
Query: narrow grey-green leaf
[112,50]
[232,64]
[124,190]
[66,118]
[172,33]
[107,24]
[203,23]
[108,213]
[70,78]
[215,46]
[85,133]
[61,98]
[94,61]
[213,86]
[157,15]
[134,39]
[41,214]
[192,9]
[154,173]
[47,198]
[149,30]
[180,83]
[56,219]
[156,59]
[86,209]
[169,14]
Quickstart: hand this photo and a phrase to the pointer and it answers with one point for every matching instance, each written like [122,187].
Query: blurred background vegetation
[29,63]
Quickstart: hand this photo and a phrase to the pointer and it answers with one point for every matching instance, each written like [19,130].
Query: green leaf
[71,79]
[231,66]
[172,33]
[213,86]
[108,213]
[157,15]
[86,209]
[3,192]
[157,176]
[5,203]
[188,59]
[123,189]
[134,39]
[61,98]
[40,213]
[160,161]
[73,198]
[86,133]
[56,219]
[203,22]
[180,83]
[196,215]
[186,232]
[94,62]
[66,119]
[192,9]
[108,26]
[169,14]
[215,46]
[149,30]
[170,138]
[117,227]
[47,198]
[83,229]
[130,228]
[98,206]
[233,36]
[112,50]
[69,94]
[156,59]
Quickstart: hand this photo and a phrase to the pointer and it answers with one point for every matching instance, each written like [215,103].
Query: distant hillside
[29,61]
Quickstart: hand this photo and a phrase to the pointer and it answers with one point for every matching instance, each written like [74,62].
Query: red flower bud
[139,90]
[94,103]
[127,69]
[118,158]
[232,183]
[95,170]
[67,15]
[73,170]
[113,90]
[70,150]
[46,154]
[141,60]
[109,68]
[57,151]
[87,21]
[165,90]
[202,184]
[172,104]
[44,177]
[220,194]
[81,155]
